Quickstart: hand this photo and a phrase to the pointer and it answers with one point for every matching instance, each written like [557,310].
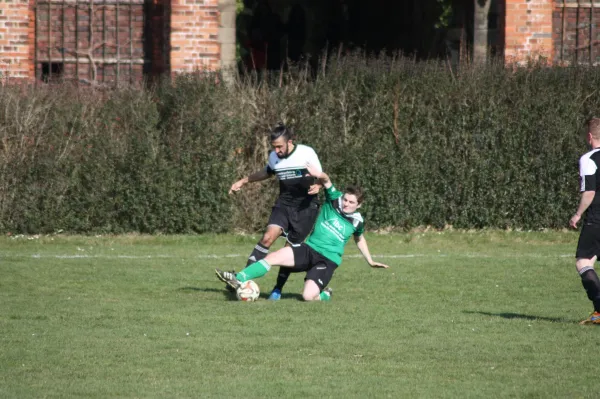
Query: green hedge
[473,148]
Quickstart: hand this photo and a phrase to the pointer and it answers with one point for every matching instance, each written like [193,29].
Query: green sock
[324,296]
[253,271]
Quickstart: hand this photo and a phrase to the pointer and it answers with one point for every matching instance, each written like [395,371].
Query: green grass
[466,315]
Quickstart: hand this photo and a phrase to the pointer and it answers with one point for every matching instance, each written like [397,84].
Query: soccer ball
[248,291]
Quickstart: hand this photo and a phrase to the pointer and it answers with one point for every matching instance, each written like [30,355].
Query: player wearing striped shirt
[297,206]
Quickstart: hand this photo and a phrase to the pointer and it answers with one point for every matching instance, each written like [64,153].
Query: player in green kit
[322,253]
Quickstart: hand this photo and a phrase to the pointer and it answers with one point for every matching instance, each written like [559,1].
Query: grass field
[465,315]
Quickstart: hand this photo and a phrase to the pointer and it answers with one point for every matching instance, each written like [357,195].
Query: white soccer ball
[248,291]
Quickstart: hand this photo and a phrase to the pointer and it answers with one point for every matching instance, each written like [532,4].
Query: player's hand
[313,170]
[574,220]
[314,189]
[378,265]
[236,186]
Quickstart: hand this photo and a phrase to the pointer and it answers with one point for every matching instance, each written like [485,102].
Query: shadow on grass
[297,297]
[231,295]
[508,315]
[227,294]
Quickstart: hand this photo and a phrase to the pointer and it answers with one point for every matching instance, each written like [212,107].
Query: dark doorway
[156,38]
[296,30]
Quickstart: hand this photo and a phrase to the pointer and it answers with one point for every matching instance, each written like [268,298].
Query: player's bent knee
[309,296]
[269,237]
[583,262]
[311,291]
[267,240]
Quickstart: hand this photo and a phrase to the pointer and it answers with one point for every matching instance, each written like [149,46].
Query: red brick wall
[187,41]
[528,30]
[194,27]
[16,39]
[194,35]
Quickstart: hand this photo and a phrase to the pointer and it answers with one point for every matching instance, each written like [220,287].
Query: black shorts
[295,223]
[589,242]
[317,267]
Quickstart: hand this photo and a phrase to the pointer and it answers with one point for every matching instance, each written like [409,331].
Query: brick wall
[179,36]
[189,37]
[194,35]
[16,38]
[528,29]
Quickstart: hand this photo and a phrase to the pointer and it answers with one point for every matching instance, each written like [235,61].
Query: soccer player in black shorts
[297,206]
[588,247]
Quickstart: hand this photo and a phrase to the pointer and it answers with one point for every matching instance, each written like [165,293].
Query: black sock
[259,252]
[591,283]
[282,278]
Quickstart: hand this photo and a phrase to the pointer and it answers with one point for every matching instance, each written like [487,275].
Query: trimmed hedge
[479,147]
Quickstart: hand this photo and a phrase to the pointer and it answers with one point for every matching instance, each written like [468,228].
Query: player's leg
[282,278]
[311,291]
[587,251]
[317,278]
[296,258]
[300,225]
[261,249]
[591,284]
[278,223]
[283,257]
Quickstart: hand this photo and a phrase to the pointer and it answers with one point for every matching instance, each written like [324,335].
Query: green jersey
[333,227]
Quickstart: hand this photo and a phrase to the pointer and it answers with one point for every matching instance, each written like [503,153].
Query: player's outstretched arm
[256,176]
[361,243]
[316,172]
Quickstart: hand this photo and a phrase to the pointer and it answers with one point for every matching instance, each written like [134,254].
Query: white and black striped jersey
[294,180]
[589,176]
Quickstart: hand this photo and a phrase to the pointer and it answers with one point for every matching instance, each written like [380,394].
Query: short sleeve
[587,174]
[270,168]
[332,193]
[360,229]
[314,160]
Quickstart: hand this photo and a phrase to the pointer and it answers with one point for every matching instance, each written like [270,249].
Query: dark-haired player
[322,253]
[297,206]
